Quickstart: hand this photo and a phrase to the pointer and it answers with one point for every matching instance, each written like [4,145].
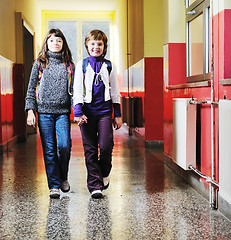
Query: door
[28,59]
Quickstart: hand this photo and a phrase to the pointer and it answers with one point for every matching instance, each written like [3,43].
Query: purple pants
[97,133]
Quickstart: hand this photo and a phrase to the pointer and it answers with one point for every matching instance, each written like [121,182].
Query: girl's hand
[118,122]
[80,120]
[31,119]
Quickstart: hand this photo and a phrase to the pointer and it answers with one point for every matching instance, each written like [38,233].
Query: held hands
[83,119]
[31,119]
[80,120]
[118,122]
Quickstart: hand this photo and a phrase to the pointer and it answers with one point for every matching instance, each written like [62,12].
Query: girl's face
[95,47]
[55,44]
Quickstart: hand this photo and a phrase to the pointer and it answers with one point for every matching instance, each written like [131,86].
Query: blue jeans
[56,142]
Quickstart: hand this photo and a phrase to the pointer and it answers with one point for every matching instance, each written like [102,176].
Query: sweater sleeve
[31,91]
[72,84]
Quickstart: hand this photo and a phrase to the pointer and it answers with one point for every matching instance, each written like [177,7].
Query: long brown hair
[97,35]
[66,53]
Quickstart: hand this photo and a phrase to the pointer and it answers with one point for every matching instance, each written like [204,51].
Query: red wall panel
[177,63]
[12,121]
[225,38]
[222,70]
[202,94]
[19,121]
[153,99]
[7,117]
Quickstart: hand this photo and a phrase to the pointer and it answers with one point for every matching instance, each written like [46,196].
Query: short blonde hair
[97,35]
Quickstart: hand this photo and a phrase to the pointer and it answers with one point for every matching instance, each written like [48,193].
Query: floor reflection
[145,199]
[154,174]
[98,219]
[58,226]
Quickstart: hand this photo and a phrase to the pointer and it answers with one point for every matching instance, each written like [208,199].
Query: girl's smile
[95,47]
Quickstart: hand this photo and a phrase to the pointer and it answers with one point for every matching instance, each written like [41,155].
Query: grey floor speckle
[145,199]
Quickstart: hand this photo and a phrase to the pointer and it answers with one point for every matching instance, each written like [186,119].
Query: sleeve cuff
[78,110]
[117,110]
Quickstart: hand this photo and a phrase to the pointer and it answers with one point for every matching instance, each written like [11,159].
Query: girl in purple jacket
[96,95]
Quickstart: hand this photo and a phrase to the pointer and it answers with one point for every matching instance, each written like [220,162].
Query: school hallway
[145,199]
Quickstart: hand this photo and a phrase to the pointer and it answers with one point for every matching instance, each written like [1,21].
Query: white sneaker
[96,194]
[106,182]
[65,186]
[54,193]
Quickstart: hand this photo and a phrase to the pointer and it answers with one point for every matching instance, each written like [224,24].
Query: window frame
[79,24]
[79,41]
[197,8]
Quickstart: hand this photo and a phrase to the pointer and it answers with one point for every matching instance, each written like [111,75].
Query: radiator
[225,149]
[184,133]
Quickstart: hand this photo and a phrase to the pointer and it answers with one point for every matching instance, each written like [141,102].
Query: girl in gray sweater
[49,93]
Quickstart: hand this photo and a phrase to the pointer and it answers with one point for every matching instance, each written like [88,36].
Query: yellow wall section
[121,36]
[7,29]
[153,28]
[165,21]
[144,35]
[220,5]
[135,31]
[174,21]
[10,24]
[227,4]
[28,9]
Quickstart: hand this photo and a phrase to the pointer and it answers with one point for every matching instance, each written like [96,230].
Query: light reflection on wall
[6,67]
[136,78]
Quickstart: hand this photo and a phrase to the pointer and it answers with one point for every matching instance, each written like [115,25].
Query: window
[198,40]
[75,33]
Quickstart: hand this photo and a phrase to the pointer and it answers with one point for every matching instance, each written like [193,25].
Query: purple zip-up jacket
[98,106]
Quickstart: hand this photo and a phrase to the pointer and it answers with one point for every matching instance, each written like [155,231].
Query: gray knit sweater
[52,91]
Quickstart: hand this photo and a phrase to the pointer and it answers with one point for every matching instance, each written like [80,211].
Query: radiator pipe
[207,178]
[213,191]
[128,54]
[213,185]
[191,101]
[128,76]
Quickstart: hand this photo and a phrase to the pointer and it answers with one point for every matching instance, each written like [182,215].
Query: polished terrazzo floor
[145,200]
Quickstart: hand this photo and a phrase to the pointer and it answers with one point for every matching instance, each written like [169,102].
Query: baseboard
[190,177]
[224,207]
[199,185]
[148,144]
[8,145]
[154,144]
